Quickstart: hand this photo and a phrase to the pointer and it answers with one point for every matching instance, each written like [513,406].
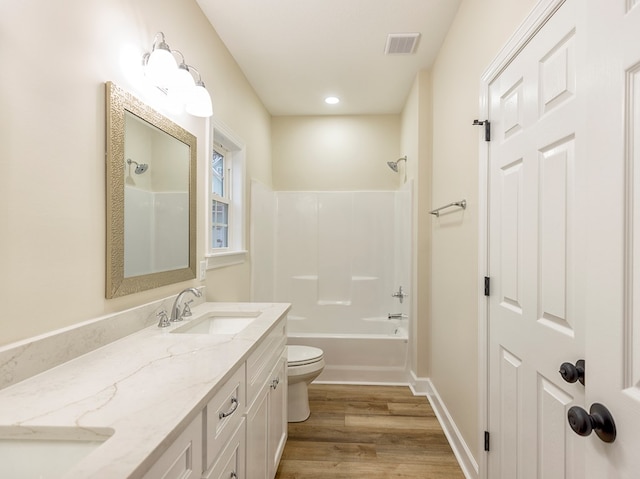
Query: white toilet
[305,363]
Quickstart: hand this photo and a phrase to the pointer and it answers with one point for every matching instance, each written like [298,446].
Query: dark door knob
[571,373]
[598,419]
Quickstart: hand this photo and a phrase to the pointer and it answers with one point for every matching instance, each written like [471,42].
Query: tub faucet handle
[400,294]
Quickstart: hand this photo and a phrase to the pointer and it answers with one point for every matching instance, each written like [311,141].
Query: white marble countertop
[145,387]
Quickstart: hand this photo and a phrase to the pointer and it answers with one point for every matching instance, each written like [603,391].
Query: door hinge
[487,285]
[486,440]
[487,128]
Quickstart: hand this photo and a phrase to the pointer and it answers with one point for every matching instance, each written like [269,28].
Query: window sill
[228,258]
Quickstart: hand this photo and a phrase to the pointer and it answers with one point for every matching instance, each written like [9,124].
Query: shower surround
[338,257]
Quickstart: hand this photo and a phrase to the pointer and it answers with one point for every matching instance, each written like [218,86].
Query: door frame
[540,14]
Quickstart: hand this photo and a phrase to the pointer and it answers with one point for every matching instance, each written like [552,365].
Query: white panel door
[536,243]
[613,285]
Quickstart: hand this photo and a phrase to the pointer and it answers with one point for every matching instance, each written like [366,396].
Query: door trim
[540,14]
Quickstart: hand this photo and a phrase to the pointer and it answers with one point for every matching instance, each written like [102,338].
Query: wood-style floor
[367,432]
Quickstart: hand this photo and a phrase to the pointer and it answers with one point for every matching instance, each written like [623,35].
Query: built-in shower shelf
[328,302]
[314,277]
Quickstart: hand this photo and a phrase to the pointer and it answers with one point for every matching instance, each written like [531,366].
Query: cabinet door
[257,430]
[277,423]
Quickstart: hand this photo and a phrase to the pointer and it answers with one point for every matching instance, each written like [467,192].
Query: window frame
[222,137]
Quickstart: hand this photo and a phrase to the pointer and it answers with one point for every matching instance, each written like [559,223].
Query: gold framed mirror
[151,197]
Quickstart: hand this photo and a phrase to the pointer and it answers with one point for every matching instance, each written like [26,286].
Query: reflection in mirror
[151,197]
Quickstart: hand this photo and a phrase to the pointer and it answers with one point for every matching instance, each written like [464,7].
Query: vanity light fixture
[176,79]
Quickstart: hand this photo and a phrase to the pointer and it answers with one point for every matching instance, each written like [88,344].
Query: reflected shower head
[140,167]
[394,164]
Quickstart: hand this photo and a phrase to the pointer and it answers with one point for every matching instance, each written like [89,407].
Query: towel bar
[460,204]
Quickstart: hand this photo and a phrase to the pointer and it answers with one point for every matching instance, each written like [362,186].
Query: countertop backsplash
[23,359]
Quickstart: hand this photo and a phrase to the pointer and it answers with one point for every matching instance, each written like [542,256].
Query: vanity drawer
[262,360]
[224,414]
[231,462]
[183,459]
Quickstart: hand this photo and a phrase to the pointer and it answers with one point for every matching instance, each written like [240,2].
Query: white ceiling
[296,52]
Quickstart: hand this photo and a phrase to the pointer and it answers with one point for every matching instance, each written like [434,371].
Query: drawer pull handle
[234,406]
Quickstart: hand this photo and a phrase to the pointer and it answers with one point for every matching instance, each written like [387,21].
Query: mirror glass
[151,197]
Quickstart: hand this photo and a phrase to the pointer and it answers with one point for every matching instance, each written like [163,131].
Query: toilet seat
[303,355]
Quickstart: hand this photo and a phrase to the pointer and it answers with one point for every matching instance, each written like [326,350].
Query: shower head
[140,167]
[394,164]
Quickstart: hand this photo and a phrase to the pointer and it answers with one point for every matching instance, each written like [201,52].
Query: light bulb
[200,102]
[161,66]
[182,84]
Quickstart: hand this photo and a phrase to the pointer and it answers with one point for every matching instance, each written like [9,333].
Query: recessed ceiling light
[332,100]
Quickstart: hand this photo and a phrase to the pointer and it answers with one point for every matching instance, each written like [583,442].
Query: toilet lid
[301,355]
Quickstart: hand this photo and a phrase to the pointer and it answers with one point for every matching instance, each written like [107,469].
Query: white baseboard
[463,454]
[419,386]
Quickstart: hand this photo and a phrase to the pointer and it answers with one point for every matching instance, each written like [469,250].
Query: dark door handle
[599,419]
[571,373]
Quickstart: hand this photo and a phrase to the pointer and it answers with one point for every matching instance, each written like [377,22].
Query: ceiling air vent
[401,43]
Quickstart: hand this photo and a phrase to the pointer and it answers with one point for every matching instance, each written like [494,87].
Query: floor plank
[376,432]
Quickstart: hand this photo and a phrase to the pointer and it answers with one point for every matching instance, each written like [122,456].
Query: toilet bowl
[304,364]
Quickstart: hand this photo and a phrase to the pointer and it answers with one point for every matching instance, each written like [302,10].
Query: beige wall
[416,143]
[479,31]
[335,153]
[56,57]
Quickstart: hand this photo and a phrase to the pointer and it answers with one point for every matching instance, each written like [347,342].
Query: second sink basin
[45,452]
[219,323]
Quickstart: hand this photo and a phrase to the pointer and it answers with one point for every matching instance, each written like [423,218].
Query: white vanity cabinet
[267,399]
[241,432]
[183,403]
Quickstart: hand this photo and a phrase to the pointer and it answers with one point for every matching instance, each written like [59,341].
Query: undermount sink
[219,323]
[46,452]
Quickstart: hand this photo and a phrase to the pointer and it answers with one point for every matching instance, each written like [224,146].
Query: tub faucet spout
[176,314]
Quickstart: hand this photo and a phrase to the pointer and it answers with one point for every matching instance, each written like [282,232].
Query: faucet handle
[164,319]
[400,294]
[186,310]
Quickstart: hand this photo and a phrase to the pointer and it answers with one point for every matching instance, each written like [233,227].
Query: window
[225,200]
[220,173]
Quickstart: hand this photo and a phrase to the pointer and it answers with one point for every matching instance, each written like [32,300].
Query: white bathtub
[370,350]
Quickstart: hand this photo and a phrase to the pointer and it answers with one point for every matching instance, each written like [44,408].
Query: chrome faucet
[176,314]
[400,294]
